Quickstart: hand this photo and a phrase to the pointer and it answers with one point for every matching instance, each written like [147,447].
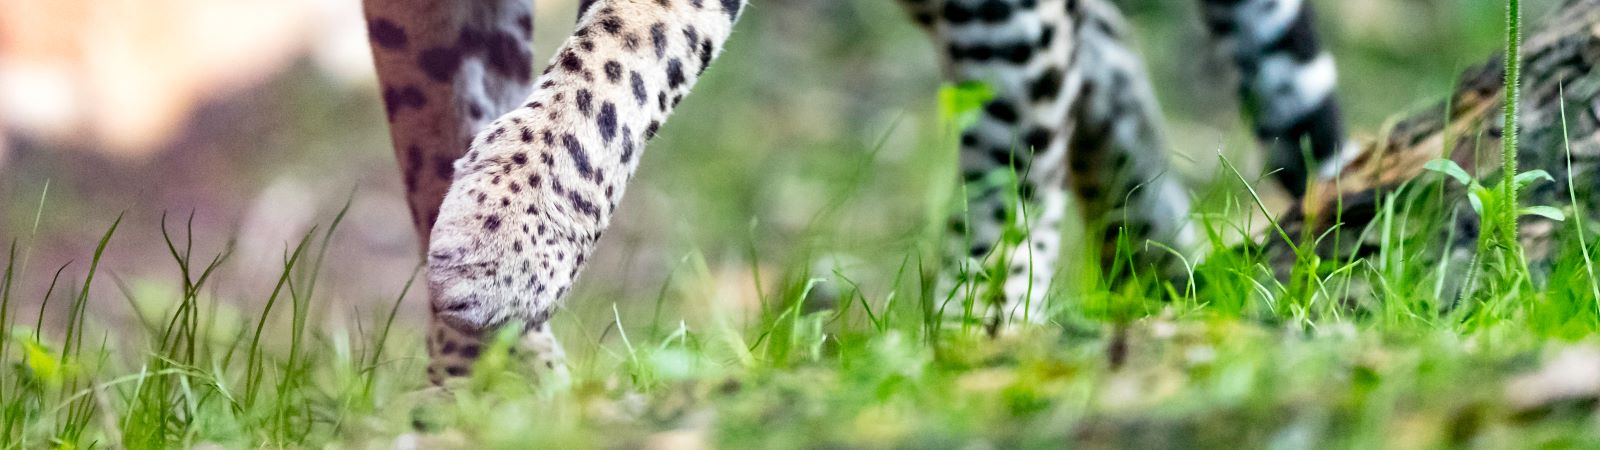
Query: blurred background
[814,138]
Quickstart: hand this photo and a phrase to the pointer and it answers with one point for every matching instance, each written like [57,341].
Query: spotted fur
[1012,159]
[446,71]
[1287,84]
[1117,164]
[512,179]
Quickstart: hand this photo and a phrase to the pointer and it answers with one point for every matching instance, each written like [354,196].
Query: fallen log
[1559,116]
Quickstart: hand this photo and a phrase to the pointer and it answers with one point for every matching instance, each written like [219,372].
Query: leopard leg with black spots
[1118,159]
[446,69]
[1069,92]
[1287,82]
[540,183]
[1004,240]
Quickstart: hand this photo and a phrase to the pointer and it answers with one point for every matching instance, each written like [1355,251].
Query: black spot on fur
[613,71]
[658,38]
[570,62]
[1016,53]
[585,102]
[1037,139]
[979,250]
[956,226]
[611,24]
[1047,86]
[976,52]
[491,223]
[954,13]
[607,121]
[627,145]
[675,73]
[1001,110]
[639,93]
[706,50]
[691,35]
[994,11]
[386,33]
[582,205]
[580,157]
[1002,155]
[443,167]
[1047,35]
[398,99]
[439,63]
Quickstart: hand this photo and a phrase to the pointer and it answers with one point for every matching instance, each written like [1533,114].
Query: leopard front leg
[540,183]
[446,69]
[1004,237]
[1118,164]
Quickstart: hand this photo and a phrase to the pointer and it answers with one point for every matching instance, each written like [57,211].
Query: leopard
[512,176]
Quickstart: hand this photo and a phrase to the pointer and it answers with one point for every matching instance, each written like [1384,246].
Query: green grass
[1344,352]
[1241,362]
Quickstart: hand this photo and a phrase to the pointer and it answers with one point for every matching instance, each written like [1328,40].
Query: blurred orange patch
[122,76]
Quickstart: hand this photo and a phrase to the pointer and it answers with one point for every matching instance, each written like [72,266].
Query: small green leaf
[1450,168]
[1548,212]
[960,102]
[1477,196]
[41,362]
[1527,178]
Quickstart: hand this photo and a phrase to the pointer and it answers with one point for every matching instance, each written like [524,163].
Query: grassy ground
[790,312]
[1277,367]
